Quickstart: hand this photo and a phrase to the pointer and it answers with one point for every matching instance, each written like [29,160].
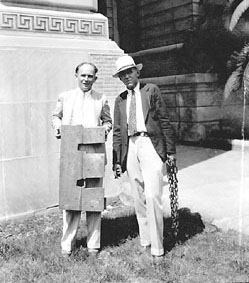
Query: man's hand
[107,128]
[117,171]
[170,162]
[58,133]
[171,157]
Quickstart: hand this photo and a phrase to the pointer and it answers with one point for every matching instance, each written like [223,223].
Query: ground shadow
[190,224]
[115,230]
[188,154]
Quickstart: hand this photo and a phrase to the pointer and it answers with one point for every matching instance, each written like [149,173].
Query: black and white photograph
[124,141]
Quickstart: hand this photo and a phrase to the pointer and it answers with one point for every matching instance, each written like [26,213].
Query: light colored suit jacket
[62,115]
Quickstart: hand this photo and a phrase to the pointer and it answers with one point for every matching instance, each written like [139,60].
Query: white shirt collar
[85,93]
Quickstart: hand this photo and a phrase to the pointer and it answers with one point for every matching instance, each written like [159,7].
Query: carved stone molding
[51,24]
[67,5]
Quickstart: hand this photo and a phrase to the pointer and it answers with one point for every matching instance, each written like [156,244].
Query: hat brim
[138,66]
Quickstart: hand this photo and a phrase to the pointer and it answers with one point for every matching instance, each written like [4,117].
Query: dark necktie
[132,122]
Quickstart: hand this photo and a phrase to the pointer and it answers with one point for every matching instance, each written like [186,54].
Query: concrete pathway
[218,188]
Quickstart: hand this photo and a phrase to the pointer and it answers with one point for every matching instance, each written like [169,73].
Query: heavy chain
[173,189]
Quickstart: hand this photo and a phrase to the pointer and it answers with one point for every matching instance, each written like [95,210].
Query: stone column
[41,42]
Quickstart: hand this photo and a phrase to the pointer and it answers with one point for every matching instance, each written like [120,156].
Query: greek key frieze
[56,25]
[85,27]
[50,24]
[25,22]
[97,28]
[41,23]
[71,26]
[8,21]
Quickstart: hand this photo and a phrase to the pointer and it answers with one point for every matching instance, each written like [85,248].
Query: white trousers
[145,171]
[71,220]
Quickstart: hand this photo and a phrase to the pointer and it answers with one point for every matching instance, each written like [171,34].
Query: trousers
[145,172]
[71,220]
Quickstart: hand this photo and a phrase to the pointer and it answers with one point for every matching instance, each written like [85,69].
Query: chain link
[173,189]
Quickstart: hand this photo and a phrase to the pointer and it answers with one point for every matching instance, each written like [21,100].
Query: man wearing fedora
[143,139]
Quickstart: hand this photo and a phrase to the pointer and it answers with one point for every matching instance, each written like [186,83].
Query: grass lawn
[30,252]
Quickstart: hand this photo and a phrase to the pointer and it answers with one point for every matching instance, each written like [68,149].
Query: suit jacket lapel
[145,102]
[123,104]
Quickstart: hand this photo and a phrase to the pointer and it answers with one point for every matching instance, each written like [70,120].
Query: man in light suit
[86,107]
[142,142]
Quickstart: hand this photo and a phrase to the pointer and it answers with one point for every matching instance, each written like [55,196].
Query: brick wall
[147,24]
[165,22]
[105,83]
[150,24]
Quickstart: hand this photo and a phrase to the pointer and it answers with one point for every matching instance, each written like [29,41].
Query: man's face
[129,77]
[86,77]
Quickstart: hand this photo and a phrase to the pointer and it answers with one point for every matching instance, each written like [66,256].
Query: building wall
[164,23]
[146,24]
[128,25]
[154,32]
[39,49]
[193,105]
[66,5]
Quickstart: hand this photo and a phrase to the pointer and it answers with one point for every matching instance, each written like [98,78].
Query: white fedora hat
[126,62]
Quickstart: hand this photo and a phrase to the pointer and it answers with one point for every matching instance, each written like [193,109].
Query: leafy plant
[239,76]
[235,15]
[209,45]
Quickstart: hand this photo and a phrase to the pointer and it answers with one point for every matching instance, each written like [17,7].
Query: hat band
[126,67]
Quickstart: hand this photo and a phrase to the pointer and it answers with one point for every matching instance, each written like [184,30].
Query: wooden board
[81,167]
[93,165]
[70,168]
[93,135]
[93,199]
